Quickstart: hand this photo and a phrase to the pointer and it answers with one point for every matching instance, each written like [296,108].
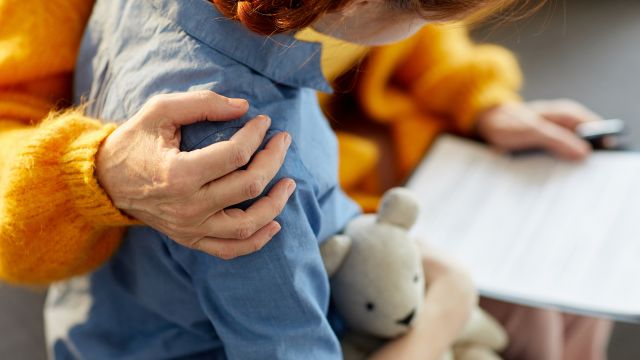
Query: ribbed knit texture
[55,220]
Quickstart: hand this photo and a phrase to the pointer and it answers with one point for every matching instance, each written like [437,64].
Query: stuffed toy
[377,283]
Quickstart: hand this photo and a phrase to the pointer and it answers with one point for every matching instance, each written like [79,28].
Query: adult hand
[185,194]
[548,125]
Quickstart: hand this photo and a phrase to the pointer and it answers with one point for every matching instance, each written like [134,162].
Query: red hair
[269,17]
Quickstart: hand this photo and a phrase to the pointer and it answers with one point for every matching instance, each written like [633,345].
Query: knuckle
[176,183]
[255,187]
[180,219]
[225,253]
[157,103]
[245,230]
[205,95]
[173,188]
[240,156]
[186,212]
[205,100]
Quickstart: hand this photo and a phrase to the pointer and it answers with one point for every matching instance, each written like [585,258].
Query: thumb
[561,141]
[185,108]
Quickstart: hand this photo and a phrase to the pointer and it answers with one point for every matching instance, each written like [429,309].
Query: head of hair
[269,17]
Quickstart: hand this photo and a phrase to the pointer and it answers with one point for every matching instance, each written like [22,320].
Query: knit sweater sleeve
[439,71]
[55,220]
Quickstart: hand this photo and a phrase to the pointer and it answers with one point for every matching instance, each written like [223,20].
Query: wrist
[480,120]
[82,176]
[101,167]
[490,121]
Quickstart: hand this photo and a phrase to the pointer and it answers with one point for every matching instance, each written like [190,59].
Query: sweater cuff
[479,100]
[78,167]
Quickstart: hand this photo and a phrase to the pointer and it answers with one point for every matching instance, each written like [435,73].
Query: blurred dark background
[587,50]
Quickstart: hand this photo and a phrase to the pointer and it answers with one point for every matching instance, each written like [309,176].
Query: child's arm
[447,306]
[271,304]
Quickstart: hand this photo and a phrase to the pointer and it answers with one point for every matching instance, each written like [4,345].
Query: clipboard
[537,230]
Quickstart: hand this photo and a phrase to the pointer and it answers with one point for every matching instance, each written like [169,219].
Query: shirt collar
[282,57]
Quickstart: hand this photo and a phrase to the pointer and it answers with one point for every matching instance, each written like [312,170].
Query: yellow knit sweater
[56,221]
[438,80]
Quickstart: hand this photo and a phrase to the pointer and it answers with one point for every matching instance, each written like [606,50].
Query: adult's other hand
[548,125]
[185,194]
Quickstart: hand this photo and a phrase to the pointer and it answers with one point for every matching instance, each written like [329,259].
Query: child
[155,299]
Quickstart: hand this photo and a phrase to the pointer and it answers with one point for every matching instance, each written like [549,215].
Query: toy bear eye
[416,278]
[370,306]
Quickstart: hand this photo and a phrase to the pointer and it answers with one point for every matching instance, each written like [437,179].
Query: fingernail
[275,228]
[291,186]
[287,139]
[265,120]
[238,103]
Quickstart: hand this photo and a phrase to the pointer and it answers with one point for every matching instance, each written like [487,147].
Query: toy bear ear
[399,207]
[334,251]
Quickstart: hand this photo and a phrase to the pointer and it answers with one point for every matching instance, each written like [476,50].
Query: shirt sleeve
[271,304]
[55,220]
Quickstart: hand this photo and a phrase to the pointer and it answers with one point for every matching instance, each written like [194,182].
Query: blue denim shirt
[156,299]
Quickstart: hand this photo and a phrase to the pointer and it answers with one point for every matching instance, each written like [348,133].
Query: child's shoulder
[136,49]
[152,46]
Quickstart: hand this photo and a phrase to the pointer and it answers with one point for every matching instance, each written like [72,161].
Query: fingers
[543,125]
[566,113]
[180,109]
[560,118]
[561,141]
[238,224]
[219,159]
[228,249]
[247,184]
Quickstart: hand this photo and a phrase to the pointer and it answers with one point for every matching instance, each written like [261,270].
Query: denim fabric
[156,299]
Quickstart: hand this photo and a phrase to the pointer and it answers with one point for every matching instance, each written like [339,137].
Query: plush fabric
[378,284]
[377,280]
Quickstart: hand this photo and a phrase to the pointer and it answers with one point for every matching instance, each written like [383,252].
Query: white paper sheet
[534,229]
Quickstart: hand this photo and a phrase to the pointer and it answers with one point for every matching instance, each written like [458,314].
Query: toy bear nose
[407,320]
